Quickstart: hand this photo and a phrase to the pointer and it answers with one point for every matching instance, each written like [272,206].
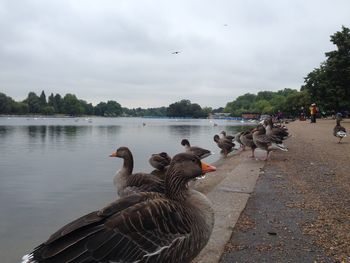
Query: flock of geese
[158,217]
[267,136]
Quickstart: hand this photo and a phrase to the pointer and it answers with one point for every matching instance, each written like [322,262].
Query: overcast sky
[122,49]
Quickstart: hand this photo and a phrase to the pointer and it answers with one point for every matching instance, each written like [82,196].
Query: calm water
[53,170]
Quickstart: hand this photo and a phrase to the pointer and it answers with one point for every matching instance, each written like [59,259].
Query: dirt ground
[300,209]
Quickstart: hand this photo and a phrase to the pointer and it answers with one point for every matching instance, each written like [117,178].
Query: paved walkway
[229,195]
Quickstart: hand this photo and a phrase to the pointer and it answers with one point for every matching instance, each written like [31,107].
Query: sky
[122,49]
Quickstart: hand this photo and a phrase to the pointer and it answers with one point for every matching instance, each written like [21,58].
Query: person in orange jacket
[313,112]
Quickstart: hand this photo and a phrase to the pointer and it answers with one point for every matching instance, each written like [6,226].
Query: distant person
[302,114]
[313,112]
[279,116]
[333,114]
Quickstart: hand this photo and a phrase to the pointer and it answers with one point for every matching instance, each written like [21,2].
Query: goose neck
[128,164]
[176,187]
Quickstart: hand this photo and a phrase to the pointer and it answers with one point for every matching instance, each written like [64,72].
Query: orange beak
[113,154]
[206,168]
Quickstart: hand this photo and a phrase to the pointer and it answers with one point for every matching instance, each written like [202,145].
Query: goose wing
[275,139]
[247,140]
[146,183]
[224,144]
[137,228]
[263,138]
[279,132]
[200,152]
[238,137]
[337,129]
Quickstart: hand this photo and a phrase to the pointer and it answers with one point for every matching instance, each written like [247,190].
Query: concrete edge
[229,198]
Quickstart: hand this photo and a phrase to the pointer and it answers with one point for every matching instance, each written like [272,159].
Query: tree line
[56,104]
[72,106]
[288,101]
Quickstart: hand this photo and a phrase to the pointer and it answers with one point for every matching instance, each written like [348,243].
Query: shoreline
[229,189]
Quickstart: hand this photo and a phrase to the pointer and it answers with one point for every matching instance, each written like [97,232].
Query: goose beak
[113,154]
[206,168]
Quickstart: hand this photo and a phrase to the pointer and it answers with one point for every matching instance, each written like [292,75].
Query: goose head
[223,133]
[125,154]
[159,160]
[185,142]
[183,168]
[216,138]
[121,152]
[165,155]
[269,122]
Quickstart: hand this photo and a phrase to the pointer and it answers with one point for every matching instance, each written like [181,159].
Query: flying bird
[176,52]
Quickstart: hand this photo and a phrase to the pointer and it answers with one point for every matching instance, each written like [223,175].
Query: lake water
[53,170]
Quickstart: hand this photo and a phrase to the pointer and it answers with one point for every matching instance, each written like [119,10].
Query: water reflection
[5,131]
[183,130]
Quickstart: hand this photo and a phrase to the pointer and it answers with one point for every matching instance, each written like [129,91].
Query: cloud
[101,50]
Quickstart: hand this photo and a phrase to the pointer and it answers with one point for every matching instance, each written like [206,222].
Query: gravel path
[300,208]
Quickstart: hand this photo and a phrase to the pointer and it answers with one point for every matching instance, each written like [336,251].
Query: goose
[200,152]
[280,132]
[247,140]
[224,144]
[339,131]
[266,142]
[126,182]
[227,137]
[237,138]
[142,227]
[159,160]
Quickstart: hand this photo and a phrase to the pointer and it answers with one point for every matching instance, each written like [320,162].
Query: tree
[52,103]
[42,99]
[241,104]
[329,85]
[207,111]
[71,105]
[218,110]
[48,110]
[33,101]
[262,106]
[58,104]
[197,111]
[295,101]
[113,109]
[5,104]
[100,109]
[88,109]
[20,107]
[265,95]
[185,108]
